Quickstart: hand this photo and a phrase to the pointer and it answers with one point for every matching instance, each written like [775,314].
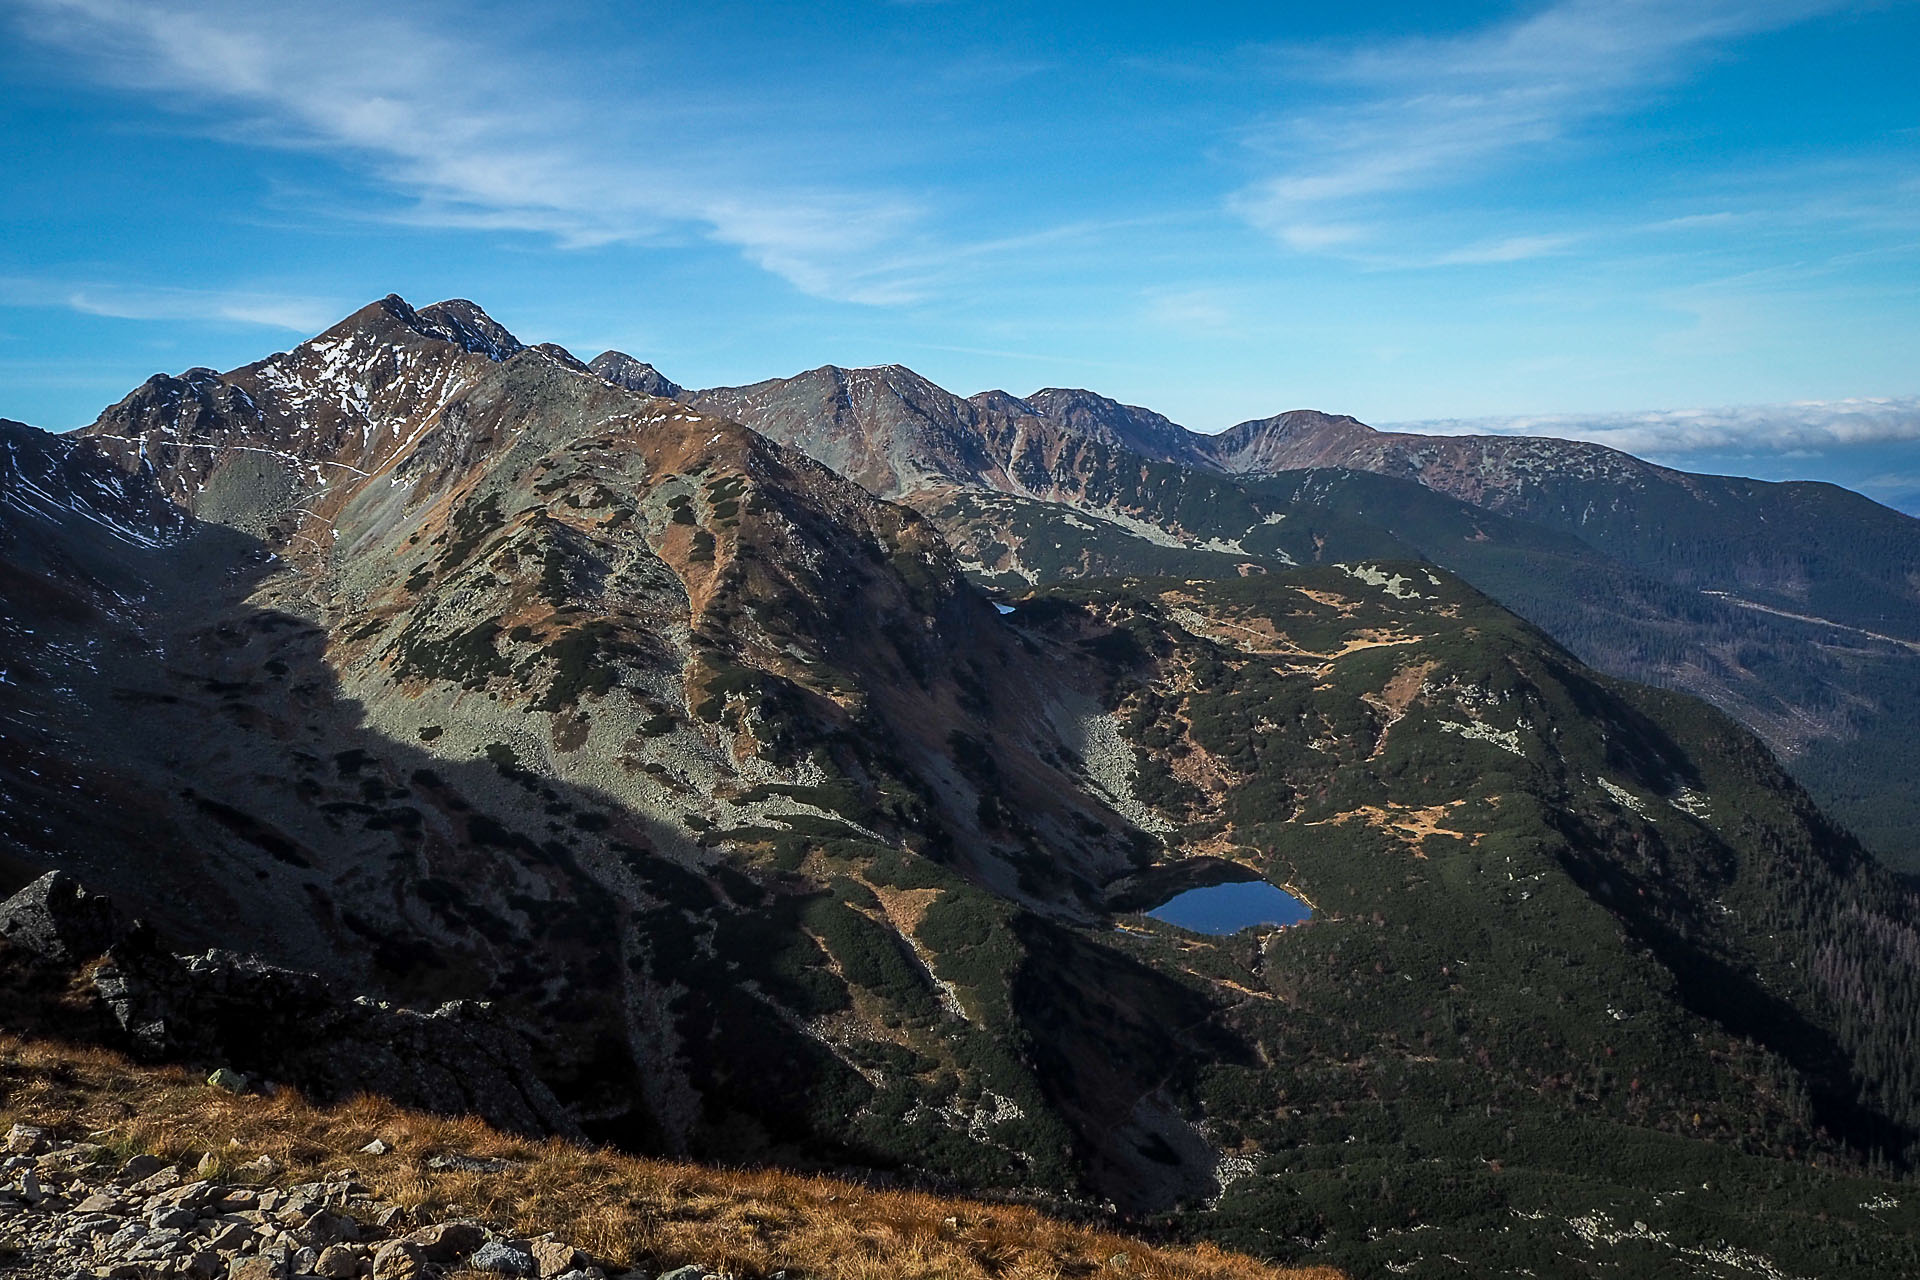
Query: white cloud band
[1810,425]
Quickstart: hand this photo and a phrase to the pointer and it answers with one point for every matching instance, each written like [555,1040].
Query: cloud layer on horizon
[1758,430]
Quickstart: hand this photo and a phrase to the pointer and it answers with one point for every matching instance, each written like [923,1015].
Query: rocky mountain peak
[1001,402]
[1294,440]
[882,386]
[271,446]
[1295,424]
[464,323]
[898,376]
[393,319]
[622,370]
[560,355]
[885,427]
[1063,402]
[1125,426]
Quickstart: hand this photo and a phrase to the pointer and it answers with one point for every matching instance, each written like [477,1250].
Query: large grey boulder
[56,919]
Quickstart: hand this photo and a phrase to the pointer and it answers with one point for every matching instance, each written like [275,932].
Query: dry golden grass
[1410,826]
[623,1209]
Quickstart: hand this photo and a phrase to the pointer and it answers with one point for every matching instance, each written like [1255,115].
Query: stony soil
[74,1211]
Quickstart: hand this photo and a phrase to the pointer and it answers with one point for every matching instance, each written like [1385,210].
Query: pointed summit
[455,320]
[622,370]
[464,323]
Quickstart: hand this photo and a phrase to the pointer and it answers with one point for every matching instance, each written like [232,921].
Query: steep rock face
[897,434]
[1297,440]
[463,324]
[57,919]
[255,449]
[46,477]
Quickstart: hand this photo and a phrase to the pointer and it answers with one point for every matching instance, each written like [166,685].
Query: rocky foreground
[70,1211]
[114,1170]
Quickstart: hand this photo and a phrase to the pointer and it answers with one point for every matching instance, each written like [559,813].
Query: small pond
[1004,609]
[1229,908]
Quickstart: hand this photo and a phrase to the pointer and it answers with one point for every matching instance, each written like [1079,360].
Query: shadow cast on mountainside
[1659,913]
[659,985]
[273,820]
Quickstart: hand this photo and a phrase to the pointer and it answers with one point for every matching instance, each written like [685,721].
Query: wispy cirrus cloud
[1418,115]
[1508,249]
[1202,309]
[1810,426]
[249,308]
[476,135]
[269,311]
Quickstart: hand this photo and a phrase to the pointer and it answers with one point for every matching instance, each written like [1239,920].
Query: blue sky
[1491,215]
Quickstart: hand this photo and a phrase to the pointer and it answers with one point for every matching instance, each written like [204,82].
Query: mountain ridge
[470,675]
[1741,588]
[1745,609]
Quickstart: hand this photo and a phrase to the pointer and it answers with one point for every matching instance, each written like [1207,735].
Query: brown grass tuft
[623,1209]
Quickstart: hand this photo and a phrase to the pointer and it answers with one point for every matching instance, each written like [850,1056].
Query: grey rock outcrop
[66,1213]
[56,919]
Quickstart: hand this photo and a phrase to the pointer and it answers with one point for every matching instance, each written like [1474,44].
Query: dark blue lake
[1229,908]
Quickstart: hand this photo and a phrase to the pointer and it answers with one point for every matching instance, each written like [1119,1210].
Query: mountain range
[1795,607]
[792,764]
